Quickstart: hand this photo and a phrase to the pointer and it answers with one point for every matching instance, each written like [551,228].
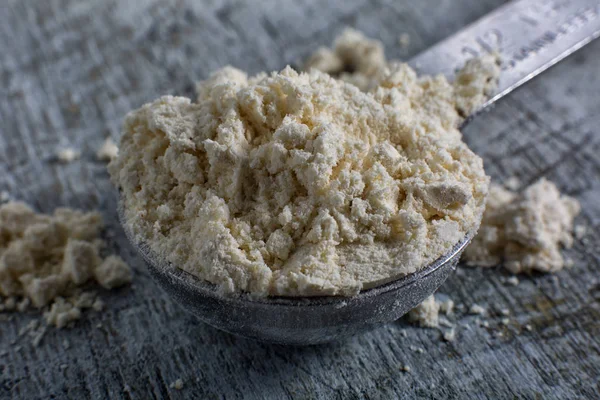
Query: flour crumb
[61,313]
[512,281]
[505,321]
[505,311]
[67,155]
[450,335]
[108,151]
[113,272]
[45,258]
[404,40]
[483,323]
[426,314]
[528,328]
[405,368]
[580,231]
[447,306]
[513,183]
[524,232]
[177,385]
[476,309]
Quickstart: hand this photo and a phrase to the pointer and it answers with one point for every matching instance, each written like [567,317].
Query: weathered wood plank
[70,70]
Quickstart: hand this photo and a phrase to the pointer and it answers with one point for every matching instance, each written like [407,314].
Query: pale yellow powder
[354,58]
[68,155]
[301,184]
[107,151]
[44,257]
[524,232]
[426,314]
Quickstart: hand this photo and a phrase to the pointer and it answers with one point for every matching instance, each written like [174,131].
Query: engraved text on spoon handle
[530,35]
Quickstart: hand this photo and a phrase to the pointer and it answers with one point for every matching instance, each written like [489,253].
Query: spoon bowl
[297,320]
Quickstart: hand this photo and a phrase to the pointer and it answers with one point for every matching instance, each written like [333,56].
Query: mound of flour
[301,184]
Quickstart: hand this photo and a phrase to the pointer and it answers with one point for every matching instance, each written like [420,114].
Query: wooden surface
[70,70]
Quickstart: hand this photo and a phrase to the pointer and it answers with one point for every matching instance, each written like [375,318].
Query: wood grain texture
[70,70]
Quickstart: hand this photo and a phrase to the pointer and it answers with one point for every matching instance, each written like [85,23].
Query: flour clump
[44,257]
[107,151]
[524,231]
[354,58]
[67,155]
[426,314]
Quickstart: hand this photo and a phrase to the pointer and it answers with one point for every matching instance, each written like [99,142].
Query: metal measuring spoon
[530,36]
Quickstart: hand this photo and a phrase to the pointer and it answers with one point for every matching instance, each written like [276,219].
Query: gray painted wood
[70,70]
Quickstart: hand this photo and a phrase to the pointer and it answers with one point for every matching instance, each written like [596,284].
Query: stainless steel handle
[530,35]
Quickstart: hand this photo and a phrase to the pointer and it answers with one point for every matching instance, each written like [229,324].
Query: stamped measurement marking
[530,35]
[572,23]
[492,40]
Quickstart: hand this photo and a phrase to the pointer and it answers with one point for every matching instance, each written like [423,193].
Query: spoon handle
[529,35]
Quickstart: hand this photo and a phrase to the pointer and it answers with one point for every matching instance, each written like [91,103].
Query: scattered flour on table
[67,155]
[524,231]
[108,151]
[177,385]
[46,259]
